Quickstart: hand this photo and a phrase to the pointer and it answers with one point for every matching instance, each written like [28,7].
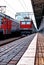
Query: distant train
[26,25]
[8,25]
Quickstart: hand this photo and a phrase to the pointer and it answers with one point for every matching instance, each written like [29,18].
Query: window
[28,22]
[23,23]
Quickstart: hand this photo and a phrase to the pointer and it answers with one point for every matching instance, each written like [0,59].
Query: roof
[38,6]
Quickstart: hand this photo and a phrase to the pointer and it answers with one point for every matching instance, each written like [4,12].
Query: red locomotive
[26,25]
[7,24]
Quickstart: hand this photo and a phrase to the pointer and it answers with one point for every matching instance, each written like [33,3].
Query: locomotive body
[26,25]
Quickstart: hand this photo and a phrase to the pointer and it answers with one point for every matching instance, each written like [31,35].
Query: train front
[26,25]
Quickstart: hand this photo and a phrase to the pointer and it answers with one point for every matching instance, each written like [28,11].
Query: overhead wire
[12,7]
[25,7]
[22,5]
[25,4]
[10,11]
[9,6]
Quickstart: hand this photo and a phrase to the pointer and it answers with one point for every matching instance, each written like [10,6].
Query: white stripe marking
[29,56]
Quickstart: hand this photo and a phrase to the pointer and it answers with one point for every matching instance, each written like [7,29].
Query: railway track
[29,56]
[11,53]
[39,58]
[3,42]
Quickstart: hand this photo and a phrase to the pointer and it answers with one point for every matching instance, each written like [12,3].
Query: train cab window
[28,22]
[23,22]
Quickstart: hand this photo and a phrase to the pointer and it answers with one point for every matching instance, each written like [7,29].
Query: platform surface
[39,59]
[11,53]
[29,56]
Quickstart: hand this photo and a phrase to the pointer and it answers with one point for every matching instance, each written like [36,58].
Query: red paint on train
[6,25]
[26,25]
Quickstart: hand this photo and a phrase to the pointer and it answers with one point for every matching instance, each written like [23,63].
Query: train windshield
[28,22]
[25,22]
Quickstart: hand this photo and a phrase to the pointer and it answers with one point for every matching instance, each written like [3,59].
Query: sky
[14,6]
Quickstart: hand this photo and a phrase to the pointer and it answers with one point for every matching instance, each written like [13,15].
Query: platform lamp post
[2,9]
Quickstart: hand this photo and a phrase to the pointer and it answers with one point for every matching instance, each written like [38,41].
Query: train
[8,25]
[26,25]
